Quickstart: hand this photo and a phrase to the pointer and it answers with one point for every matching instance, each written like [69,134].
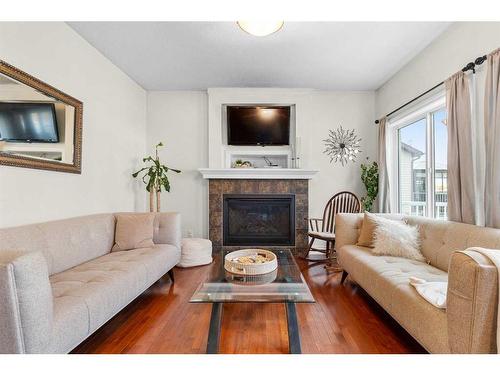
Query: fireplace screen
[261,219]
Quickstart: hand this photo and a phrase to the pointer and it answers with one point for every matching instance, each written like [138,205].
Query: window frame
[423,110]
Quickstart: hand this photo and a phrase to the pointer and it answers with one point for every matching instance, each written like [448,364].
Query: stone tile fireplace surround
[219,187]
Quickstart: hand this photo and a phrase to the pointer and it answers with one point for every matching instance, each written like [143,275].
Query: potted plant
[155,177]
[369,176]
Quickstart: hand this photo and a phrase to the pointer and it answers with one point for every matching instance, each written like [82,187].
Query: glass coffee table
[284,285]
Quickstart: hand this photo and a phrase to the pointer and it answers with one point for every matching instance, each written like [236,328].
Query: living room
[198,186]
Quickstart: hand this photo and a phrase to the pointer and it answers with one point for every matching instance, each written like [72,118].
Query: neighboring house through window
[419,173]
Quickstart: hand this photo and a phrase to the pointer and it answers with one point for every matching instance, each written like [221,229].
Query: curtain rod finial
[480,60]
[469,66]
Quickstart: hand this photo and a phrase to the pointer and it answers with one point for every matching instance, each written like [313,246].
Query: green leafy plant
[155,177]
[369,176]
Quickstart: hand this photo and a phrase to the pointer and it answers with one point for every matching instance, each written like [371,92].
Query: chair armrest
[347,229]
[167,229]
[314,223]
[472,303]
[26,303]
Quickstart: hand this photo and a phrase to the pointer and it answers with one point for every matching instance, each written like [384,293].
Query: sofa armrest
[347,229]
[26,303]
[472,303]
[167,229]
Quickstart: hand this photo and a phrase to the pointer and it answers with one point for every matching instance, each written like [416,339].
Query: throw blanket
[494,257]
[433,292]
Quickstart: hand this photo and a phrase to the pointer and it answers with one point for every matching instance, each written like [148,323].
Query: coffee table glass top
[285,284]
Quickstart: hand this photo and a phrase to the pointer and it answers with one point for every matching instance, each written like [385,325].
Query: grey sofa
[468,324]
[59,281]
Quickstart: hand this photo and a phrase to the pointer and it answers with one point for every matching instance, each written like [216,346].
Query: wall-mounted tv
[28,122]
[258,125]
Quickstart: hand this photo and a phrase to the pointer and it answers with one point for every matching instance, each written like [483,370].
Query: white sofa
[60,282]
[468,324]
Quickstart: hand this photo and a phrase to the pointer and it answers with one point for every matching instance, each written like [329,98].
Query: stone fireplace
[268,213]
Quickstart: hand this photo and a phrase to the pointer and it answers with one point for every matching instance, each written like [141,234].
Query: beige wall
[114,121]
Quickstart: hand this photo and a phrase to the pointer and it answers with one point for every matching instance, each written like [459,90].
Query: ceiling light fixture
[260,28]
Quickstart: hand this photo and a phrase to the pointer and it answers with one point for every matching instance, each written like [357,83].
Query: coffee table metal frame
[288,287]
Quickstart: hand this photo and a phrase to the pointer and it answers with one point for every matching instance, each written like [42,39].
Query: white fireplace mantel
[258,173]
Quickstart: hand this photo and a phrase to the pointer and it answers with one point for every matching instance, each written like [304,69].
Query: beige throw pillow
[133,231]
[395,238]
[367,230]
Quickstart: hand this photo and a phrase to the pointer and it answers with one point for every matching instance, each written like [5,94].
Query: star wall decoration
[342,145]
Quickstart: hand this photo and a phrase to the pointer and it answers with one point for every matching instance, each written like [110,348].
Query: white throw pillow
[397,239]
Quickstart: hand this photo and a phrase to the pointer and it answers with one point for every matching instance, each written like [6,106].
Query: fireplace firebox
[259,219]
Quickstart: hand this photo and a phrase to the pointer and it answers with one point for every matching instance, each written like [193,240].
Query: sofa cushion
[64,243]
[133,231]
[367,230]
[386,279]
[397,239]
[107,284]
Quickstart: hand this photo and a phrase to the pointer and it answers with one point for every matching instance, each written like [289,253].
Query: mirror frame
[27,162]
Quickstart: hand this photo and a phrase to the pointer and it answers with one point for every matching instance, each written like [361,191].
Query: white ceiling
[199,55]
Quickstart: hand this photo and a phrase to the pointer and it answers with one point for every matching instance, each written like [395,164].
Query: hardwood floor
[344,319]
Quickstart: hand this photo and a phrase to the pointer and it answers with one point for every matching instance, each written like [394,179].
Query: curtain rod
[469,66]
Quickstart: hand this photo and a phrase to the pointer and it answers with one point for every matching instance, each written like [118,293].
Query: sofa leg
[171,275]
[344,275]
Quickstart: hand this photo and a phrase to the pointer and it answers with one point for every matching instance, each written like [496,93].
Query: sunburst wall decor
[342,145]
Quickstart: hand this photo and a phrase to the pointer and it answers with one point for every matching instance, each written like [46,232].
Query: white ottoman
[195,252]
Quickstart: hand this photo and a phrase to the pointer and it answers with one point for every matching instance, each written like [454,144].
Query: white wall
[182,119]
[458,45]
[329,110]
[179,120]
[114,118]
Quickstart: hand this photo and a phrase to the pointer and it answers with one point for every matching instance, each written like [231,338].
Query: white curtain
[478,153]
[384,198]
[461,160]
[492,140]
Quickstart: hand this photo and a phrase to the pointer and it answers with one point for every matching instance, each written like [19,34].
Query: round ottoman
[195,252]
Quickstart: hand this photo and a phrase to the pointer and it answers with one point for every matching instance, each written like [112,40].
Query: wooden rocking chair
[324,229]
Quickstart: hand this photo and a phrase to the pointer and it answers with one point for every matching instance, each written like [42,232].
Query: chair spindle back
[343,202]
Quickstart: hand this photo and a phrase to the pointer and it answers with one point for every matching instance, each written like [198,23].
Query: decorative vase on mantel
[155,178]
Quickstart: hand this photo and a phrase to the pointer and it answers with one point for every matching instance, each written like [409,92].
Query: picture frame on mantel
[71,105]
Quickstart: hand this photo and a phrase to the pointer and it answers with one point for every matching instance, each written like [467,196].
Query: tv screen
[258,125]
[28,122]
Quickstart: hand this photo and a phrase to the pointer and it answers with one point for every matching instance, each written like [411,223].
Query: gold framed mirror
[40,126]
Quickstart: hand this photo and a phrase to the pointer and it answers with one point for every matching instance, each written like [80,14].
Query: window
[420,173]
[440,171]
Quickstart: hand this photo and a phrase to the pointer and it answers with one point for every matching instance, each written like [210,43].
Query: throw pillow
[395,238]
[367,230]
[133,231]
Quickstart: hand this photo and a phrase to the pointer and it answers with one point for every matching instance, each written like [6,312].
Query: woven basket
[251,279]
[250,269]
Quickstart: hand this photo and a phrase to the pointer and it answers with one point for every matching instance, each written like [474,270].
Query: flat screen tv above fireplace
[258,125]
